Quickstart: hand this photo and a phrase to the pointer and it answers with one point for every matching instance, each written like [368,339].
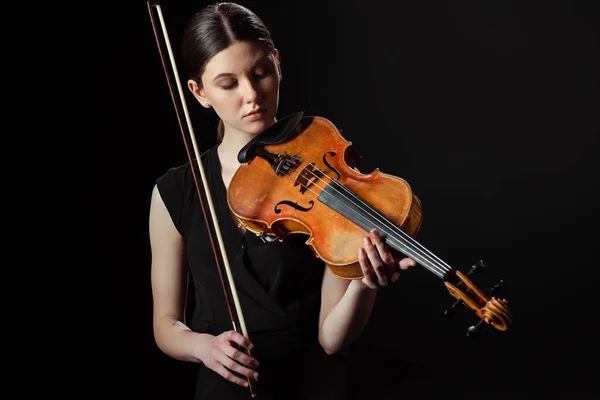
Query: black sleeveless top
[278,285]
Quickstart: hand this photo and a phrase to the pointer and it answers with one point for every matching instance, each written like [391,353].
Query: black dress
[278,285]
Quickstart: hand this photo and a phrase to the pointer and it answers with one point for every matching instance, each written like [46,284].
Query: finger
[369,276]
[240,339]
[230,376]
[407,263]
[233,364]
[375,262]
[386,256]
[239,356]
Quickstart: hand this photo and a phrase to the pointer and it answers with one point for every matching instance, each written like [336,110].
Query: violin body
[271,204]
[299,179]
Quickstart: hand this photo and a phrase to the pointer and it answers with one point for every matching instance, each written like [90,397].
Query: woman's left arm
[346,305]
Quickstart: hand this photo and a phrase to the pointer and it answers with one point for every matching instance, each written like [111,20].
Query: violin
[307,186]
[298,177]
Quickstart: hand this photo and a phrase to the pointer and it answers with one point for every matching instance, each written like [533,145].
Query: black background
[489,110]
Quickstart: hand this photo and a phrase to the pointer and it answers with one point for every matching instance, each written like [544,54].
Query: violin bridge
[307,177]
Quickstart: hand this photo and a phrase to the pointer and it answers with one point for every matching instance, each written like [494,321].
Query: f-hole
[331,153]
[293,205]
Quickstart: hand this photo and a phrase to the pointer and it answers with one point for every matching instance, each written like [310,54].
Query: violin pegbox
[490,310]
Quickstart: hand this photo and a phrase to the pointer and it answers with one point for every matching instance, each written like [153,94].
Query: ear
[276,54]
[198,93]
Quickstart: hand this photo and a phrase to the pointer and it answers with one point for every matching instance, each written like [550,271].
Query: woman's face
[241,83]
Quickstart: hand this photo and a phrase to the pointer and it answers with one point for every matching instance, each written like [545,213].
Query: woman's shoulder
[177,190]
[175,172]
[182,173]
[175,178]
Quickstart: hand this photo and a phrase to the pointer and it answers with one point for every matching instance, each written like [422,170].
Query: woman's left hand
[378,265]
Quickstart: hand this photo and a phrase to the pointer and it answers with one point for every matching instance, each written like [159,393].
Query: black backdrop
[488,109]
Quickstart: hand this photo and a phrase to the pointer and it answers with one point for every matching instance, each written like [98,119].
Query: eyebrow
[224,74]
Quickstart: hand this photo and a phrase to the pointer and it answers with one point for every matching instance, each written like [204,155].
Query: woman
[299,315]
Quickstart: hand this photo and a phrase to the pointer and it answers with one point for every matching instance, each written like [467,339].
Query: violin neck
[413,249]
[359,212]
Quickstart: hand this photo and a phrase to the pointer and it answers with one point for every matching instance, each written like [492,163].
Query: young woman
[298,313]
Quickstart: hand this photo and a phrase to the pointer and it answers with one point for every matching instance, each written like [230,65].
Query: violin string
[402,237]
[436,262]
[380,218]
[421,255]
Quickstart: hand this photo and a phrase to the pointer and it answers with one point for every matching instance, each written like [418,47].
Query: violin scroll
[490,310]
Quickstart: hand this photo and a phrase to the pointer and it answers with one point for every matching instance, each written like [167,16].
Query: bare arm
[345,310]
[169,285]
[346,306]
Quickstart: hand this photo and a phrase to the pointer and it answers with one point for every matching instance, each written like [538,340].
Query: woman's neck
[229,148]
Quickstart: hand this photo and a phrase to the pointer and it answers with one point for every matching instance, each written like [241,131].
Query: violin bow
[235,313]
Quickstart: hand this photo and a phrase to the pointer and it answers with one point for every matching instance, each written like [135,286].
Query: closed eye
[263,72]
[260,73]
[228,87]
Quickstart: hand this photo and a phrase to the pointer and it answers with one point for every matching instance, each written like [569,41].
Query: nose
[251,92]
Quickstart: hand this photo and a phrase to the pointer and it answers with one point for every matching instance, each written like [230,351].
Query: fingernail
[255,376]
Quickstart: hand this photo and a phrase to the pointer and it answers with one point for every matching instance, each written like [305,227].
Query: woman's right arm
[169,283]
[169,286]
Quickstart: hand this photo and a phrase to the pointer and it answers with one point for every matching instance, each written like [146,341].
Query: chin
[257,127]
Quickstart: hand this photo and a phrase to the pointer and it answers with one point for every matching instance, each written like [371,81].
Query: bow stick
[227,281]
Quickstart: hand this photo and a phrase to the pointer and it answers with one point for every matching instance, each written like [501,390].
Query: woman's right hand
[226,353]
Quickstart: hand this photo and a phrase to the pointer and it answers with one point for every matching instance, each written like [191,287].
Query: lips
[259,111]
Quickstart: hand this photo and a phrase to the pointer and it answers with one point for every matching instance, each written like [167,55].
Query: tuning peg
[449,312]
[496,287]
[475,268]
[474,330]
